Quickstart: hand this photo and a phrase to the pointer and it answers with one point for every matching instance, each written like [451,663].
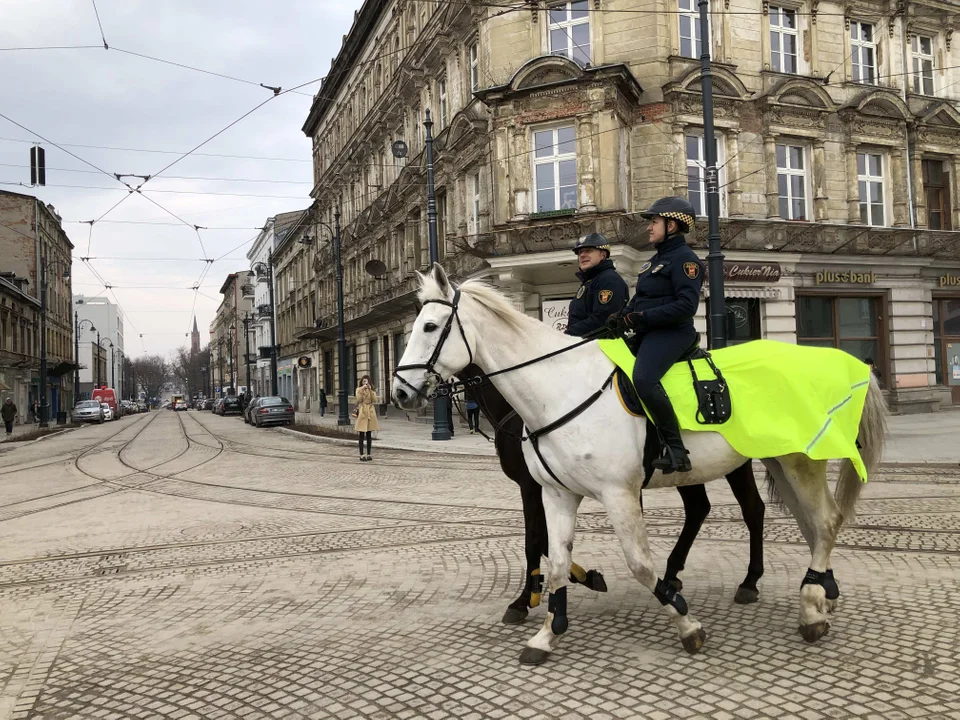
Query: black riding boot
[674,457]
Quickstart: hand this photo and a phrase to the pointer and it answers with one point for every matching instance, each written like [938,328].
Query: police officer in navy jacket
[661,315]
[602,291]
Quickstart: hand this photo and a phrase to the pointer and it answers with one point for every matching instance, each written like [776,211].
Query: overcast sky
[108,98]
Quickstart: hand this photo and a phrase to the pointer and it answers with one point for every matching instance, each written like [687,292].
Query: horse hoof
[595,581]
[693,643]
[813,632]
[677,584]
[746,596]
[831,606]
[513,616]
[533,656]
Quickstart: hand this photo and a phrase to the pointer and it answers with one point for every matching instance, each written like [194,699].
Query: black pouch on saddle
[713,396]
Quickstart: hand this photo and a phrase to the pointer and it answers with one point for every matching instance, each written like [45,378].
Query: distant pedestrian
[323,402]
[366,415]
[9,413]
[473,413]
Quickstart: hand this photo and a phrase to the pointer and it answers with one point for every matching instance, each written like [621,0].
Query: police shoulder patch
[580,292]
[691,270]
[646,266]
[605,296]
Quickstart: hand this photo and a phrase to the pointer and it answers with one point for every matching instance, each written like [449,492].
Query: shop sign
[554,313]
[847,277]
[948,280]
[750,272]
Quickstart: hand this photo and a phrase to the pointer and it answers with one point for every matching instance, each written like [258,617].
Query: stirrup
[672,460]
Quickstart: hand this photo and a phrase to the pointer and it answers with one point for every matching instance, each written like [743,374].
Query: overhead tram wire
[164,192]
[100,25]
[173,177]
[158,152]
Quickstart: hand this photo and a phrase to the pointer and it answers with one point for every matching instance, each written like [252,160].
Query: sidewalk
[911,439]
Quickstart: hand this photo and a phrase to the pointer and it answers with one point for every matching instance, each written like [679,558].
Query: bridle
[430,364]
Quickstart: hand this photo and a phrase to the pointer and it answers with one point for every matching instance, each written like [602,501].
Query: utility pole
[718,308]
[99,348]
[441,410]
[44,408]
[220,363]
[342,417]
[274,389]
[113,369]
[246,347]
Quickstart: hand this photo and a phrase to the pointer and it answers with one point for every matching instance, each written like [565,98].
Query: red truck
[108,396]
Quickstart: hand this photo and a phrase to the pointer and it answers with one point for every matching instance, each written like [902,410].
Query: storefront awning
[62,368]
[759,293]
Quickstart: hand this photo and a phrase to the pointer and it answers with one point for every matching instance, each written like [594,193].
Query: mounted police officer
[602,291]
[661,315]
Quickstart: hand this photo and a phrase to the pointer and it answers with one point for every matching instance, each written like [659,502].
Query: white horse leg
[626,517]
[560,508]
[802,484]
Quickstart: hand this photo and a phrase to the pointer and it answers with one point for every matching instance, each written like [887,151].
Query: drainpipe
[906,81]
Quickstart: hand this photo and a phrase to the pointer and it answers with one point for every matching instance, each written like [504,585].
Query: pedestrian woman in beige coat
[366,414]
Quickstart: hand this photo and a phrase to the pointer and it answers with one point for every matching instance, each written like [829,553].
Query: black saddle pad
[652,446]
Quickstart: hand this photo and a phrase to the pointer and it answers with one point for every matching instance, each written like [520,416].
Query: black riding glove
[616,323]
[635,320]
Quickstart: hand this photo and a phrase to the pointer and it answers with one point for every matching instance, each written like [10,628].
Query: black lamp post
[77,326]
[441,409]
[264,273]
[44,405]
[718,309]
[220,362]
[231,365]
[343,418]
[246,347]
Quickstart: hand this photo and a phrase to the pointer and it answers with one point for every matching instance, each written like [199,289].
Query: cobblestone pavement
[182,565]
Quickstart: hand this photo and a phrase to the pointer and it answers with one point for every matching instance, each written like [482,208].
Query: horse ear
[440,277]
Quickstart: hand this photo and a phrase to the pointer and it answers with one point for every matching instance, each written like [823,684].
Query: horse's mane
[486,295]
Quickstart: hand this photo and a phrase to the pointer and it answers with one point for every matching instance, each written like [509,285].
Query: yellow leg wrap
[578,572]
[535,596]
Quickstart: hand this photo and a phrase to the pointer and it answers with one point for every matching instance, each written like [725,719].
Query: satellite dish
[375,268]
[399,149]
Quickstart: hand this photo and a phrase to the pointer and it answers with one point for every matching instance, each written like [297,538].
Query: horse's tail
[872,436]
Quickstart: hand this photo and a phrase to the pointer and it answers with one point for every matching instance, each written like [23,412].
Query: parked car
[107,411]
[247,418]
[181,405]
[88,411]
[215,407]
[272,411]
[207,404]
[129,407]
[141,406]
[230,405]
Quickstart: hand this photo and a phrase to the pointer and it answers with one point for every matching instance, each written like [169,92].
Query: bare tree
[188,369]
[152,373]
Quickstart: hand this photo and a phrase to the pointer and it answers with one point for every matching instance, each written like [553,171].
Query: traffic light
[38,166]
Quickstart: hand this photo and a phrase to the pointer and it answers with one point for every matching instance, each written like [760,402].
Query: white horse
[598,454]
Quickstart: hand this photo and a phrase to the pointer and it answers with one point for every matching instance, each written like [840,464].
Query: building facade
[19,333]
[838,157]
[227,346]
[31,238]
[106,318]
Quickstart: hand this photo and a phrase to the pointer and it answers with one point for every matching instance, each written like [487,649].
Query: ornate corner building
[838,142]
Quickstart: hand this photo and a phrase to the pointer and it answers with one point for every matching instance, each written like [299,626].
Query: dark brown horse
[696,507]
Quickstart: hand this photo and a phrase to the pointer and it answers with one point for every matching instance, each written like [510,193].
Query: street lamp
[44,406]
[77,326]
[119,388]
[246,347]
[441,408]
[264,273]
[220,362]
[342,416]
[230,357]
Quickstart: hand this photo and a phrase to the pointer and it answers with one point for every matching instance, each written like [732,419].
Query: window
[570,31]
[474,68]
[690,43]
[792,182]
[922,64]
[373,362]
[870,182]
[936,188]
[743,320]
[946,343]
[331,387]
[473,198]
[442,92]
[697,171]
[783,40]
[555,169]
[399,344]
[351,368]
[851,324]
[863,52]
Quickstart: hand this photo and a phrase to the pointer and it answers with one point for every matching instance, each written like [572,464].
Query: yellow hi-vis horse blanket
[785,398]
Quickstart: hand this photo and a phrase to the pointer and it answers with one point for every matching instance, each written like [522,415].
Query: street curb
[24,443]
[384,445]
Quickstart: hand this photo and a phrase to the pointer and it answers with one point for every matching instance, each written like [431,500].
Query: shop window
[399,345]
[851,324]
[936,188]
[691,45]
[863,52]
[570,30]
[697,173]
[946,343]
[743,320]
[783,39]
[922,48]
[328,380]
[870,185]
[792,182]
[555,169]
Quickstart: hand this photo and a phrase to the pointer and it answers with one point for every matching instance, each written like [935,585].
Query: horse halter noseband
[430,364]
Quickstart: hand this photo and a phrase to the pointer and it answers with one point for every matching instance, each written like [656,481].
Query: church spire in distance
[195,337]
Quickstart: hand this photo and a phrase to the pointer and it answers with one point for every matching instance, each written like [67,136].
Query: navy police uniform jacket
[602,293]
[668,287]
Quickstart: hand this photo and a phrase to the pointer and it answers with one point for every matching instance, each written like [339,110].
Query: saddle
[713,402]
